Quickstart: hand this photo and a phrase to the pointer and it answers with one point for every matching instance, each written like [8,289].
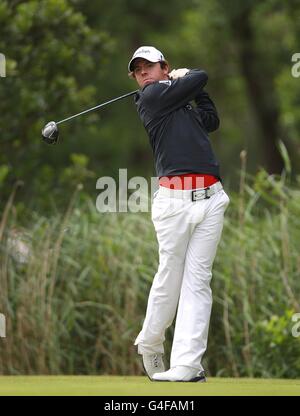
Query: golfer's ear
[131,75]
[166,69]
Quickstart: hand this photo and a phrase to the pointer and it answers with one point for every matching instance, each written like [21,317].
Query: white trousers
[188,233]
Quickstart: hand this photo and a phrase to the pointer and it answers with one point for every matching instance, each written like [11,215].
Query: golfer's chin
[147,81]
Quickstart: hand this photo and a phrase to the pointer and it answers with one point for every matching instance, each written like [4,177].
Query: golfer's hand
[178,73]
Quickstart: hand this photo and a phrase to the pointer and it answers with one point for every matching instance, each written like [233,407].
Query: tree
[259,65]
[51,55]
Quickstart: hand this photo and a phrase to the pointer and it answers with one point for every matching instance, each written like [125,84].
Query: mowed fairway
[141,386]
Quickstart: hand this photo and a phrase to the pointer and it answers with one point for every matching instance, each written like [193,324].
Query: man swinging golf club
[187,212]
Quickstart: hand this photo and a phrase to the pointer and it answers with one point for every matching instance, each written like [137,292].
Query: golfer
[187,212]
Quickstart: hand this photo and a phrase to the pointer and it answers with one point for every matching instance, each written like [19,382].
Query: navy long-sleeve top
[178,131]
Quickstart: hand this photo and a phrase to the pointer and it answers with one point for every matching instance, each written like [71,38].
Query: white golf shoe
[181,373]
[153,363]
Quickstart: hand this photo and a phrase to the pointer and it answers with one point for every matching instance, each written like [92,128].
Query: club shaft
[97,106]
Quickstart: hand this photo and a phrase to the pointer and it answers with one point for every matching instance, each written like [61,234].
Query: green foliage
[78,171]
[51,54]
[4,169]
[277,350]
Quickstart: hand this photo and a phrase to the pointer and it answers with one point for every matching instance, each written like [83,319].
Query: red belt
[187,181]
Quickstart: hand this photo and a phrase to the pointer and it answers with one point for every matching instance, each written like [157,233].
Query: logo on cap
[142,51]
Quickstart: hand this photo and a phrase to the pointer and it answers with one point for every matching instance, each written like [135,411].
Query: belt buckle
[206,194]
[194,198]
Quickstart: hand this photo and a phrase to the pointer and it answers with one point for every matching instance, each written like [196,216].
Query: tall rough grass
[257,281]
[74,287]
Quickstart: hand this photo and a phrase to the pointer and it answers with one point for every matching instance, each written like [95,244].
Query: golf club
[50,132]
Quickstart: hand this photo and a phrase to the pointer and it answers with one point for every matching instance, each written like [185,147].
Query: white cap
[146,52]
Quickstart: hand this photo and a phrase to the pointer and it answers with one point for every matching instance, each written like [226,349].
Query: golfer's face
[146,72]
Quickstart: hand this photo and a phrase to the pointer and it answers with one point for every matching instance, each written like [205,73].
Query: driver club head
[50,133]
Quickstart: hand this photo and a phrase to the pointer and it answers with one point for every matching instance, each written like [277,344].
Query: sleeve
[207,111]
[167,96]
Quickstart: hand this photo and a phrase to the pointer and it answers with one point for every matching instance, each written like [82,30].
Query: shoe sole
[195,380]
[199,379]
[151,379]
[180,381]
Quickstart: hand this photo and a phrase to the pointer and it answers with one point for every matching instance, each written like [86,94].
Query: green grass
[141,386]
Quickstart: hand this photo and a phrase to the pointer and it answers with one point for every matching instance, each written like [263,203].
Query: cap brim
[130,69]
